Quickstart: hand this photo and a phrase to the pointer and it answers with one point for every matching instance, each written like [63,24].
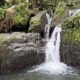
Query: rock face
[70,52]
[21,50]
[38,22]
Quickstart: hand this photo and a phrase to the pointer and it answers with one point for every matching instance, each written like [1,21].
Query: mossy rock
[72,27]
[60,14]
[36,22]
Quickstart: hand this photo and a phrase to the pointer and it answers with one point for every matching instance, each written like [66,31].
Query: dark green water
[40,76]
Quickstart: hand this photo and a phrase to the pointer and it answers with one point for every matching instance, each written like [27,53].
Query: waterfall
[52,63]
[47,27]
[53,45]
[73,12]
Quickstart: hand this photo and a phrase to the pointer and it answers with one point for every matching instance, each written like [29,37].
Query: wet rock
[21,51]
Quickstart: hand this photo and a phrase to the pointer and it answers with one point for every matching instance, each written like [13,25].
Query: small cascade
[47,27]
[52,63]
[73,12]
[52,47]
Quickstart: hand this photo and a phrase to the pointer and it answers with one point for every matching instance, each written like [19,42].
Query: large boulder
[38,22]
[20,50]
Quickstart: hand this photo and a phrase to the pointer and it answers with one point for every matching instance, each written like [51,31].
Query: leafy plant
[18,19]
[2,13]
[60,9]
[72,25]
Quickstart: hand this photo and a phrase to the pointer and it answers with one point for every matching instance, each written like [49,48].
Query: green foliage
[23,14]
[68,36]
[18,19]
[2,13]
[76,35]
[60,9]
[72,25]
[17,16]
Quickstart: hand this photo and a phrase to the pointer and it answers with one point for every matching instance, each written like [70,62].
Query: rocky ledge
[20,50]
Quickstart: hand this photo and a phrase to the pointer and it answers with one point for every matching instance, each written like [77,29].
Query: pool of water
[41,76]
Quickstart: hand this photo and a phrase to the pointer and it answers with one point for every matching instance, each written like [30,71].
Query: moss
[5,38]
[36,22]
[72,25]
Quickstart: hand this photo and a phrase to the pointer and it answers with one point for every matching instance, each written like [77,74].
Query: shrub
[72,25]
[2,13]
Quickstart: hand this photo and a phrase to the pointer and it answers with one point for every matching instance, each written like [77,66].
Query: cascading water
[73,12]
[52,63]
[47,27]
[52,47]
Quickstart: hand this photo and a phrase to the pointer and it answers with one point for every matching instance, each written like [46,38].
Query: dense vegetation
[72,25]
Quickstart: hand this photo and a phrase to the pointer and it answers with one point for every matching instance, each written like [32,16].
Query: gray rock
[38,22]
[21,51]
